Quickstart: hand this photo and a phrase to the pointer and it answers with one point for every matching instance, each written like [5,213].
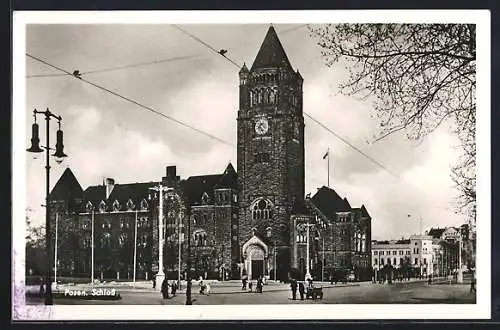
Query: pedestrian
[429,281]
[473,283]
[301,290]
[331,280]
[174,288]
[250,285]
[164,289]
[207,286]
[293,285]
[154,281]
[244,283]
[259,285]
[202,287]
[42,287]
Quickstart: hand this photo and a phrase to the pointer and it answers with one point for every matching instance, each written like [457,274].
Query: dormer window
[89,207]
[130,205]
[204,198]
[102,207]
[116,206]
[144,204]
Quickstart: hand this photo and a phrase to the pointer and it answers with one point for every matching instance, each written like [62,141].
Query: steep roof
[364,212]
[329,202]
[436,232]
[67,187]
[271,53]
[229,178]
[134,191]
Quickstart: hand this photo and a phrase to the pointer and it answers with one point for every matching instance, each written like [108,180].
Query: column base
[159,281]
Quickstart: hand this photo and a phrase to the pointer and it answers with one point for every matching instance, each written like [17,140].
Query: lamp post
[160,276]
[59,155]
[301,227]
[171,194]
[188,262]
[460,275]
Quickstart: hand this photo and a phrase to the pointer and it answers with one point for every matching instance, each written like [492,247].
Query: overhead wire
[131,101]
[344,140]
[133,65]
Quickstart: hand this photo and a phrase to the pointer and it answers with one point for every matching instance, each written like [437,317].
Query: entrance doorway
[257,269]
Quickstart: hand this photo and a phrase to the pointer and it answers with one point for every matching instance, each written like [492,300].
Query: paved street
[356,293]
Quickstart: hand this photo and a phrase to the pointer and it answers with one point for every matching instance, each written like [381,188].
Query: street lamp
[301,228]
[175,196]
[59,156]
[460,275]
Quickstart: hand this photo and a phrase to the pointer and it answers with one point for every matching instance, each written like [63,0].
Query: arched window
[122,239]
[200,238]
[116,206]
[130,204]
[144,204]
[251,98]
[106,240]
[102,207]
[89,207]
[375,262]
[262,210]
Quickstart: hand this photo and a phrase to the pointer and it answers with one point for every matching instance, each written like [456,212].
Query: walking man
[301,290]
[244,283]
[293,285]
[473,283]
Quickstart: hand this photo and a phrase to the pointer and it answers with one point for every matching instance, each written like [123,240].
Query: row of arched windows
[116,206]
[262,210]
[200,238]
[263,96]
[264,78]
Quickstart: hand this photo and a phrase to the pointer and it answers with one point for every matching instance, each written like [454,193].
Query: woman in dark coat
[301,290]
[164,289]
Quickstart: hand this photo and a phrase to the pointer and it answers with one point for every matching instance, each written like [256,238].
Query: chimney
[110,184]
[171,171]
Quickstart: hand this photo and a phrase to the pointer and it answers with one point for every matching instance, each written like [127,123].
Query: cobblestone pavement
[416,292]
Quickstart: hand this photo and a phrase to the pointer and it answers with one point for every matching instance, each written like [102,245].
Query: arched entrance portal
[255,258]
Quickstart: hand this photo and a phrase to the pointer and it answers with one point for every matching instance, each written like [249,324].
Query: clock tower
[270,155]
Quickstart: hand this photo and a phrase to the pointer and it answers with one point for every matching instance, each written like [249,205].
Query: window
[425,261]
[395,262]
[130,205]
[262,210]
[417,250]
[416,261]
[116,206]
[407,252]
[262,157]
[375,262]
[400,261]
[375,252]
[122,239]
[144,204]
[200,238]
[235,198]
[89,207]
[401,252]
[381,253]
[106,224]
[381,261]
[394,253]
[106,240]
[102,207]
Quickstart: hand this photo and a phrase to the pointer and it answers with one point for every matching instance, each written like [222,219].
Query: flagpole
[328,162]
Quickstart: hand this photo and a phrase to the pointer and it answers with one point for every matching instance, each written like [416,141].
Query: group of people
[294,285]
[258,288]
[165,288]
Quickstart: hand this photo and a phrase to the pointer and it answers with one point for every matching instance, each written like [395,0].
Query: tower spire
[271,53]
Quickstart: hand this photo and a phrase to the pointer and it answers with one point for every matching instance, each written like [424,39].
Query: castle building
[250,222]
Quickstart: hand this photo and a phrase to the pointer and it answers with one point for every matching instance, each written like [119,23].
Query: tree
[420,76]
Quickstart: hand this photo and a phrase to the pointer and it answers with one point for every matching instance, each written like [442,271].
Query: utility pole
[161,275]
[92,271]
[460,275]
[135,247]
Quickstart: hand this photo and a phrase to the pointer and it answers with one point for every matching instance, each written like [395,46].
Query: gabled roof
[134,191]
[329,202]
[436,232]
[195,186]
[229,178]
[67,187]
[271,53]
[346,202]
[364,212]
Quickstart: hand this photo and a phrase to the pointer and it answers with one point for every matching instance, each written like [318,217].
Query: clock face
[261,126]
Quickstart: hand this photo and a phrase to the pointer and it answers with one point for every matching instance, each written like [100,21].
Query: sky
[105,136]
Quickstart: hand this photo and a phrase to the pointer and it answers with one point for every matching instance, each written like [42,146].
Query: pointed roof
[229,178]
[271,53]
[67,187]
[364,211]
[329,202]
